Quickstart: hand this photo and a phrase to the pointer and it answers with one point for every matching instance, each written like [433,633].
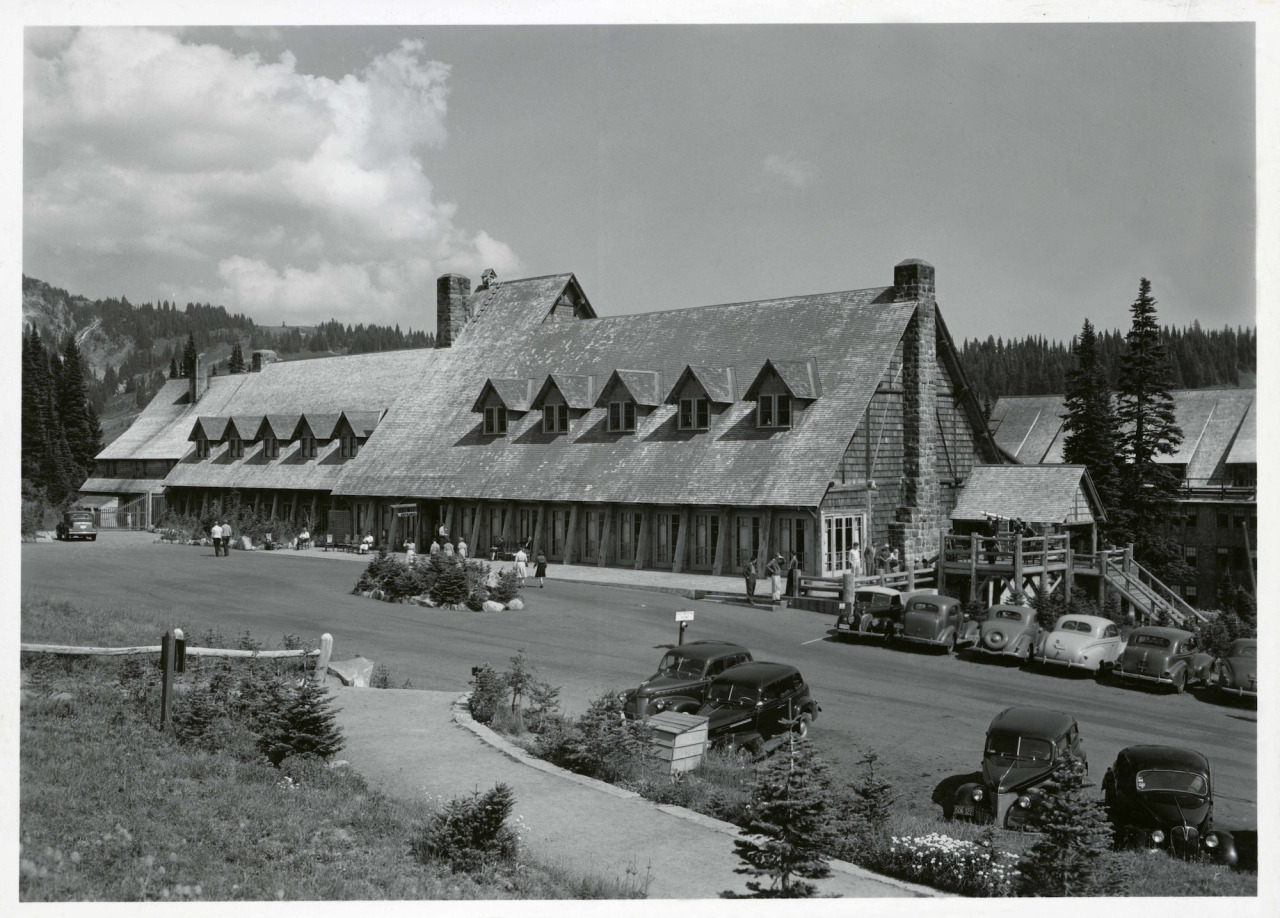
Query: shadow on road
[944,794]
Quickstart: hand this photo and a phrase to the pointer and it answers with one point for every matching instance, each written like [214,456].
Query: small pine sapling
[488,694]
[306,725]
[450,587]
[1070,856]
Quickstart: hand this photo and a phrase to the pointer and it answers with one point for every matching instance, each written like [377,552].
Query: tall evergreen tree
[189,357]
[173,368]
[236,363]
[1149,429]
[46,460]
[74,411]
[1092,428]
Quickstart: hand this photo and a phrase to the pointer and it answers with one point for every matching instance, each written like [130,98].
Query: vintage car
[753,706]
[937,621]
[1162,797]
[1165,656]
[77,524]
[1004,631]
[1087,642]
[683,677]
[1237,672]
[1023,747]
[876,611]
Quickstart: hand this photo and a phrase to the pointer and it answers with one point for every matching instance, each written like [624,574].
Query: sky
[302,174]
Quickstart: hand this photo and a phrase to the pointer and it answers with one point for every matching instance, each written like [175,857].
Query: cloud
[790,169]
[150,155]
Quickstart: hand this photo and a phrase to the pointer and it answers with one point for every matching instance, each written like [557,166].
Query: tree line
[60,429]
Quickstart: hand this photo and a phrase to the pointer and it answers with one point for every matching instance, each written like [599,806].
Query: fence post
[847,588]
[322,662]
[166,674]
[911,575]
[973,567]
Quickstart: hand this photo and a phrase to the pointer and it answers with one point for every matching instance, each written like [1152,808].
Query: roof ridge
[776,299]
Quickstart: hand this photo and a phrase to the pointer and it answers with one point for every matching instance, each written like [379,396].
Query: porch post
[682,542]
[973,566]
[1017,562]
[722,544]
[572,532]
[538,522]
[642,546]
[605,537]
[762,549]
[473,543]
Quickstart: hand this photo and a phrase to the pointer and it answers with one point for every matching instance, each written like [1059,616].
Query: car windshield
[1011,614]
[1075,626]
[1245,650]
[1181,782]
[871,602]
[1018,748]
[726,693]
[674,664]
[1149,640]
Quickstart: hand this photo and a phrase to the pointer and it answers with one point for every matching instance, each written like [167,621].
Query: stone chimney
[196,384]
[256,364]
[452,291]
[915,531]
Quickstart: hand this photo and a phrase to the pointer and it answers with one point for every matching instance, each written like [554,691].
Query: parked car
[77,524]
[1087,642]
[937,621]
[1167,656]
[1237,672]
[683,677]
[1023,747]
[876,611]
[753,705]
[1004,631]
[1162,797]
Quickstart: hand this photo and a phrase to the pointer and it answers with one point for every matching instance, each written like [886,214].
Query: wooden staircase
[1143,590]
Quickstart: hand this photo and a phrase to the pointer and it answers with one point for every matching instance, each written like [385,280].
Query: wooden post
[911,576]
[1017,562]
[847,588]
[322,661]
[275,503]
[570,534]
[448,522]
[538,522]
[315,496]
[204,500]
[166,674]
[973,567]
[762,547]
[642,546]
[473,543]
[722,544]
[606,536]
[1070,573]
[682,542]
[508,524]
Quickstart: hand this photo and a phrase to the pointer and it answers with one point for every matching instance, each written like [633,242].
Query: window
[773,411]
[555,418]
[1224,519]
[202,448]
[1224,558]
[270,448]
[495,420]
[695,413]
[622,417]
[1190,517]
[350,447]
[308,449]
[1189,593]
[1189,555]
[235,448]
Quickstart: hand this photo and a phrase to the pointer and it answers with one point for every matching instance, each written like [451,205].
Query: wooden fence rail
[191,651]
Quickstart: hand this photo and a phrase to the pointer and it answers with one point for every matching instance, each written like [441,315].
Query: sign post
[684,618]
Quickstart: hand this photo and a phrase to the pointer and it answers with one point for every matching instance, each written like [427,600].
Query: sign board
[686,616]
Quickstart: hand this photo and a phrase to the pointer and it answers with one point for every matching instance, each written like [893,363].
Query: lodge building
[686,440]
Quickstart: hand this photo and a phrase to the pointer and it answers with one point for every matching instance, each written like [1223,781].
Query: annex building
[690,439]
[1217,464]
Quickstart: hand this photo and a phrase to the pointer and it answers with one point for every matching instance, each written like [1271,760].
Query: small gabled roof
[576,390]
[799,376]
[244,427]
[320,426]
[1035,493]
[278,426]
[1244,448]
[644,387]
[514,394]
[362,423]
[210,428]
[717,381]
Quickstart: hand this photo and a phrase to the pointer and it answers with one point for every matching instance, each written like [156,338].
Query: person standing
[774,570]
[435,548]
[882,560]
[793,575]
[749,575]
[521,560]
[448,548]
[541,571]
[215,534]
[226,538]
[868,558]
[855,560]
[462,549]
[895,564]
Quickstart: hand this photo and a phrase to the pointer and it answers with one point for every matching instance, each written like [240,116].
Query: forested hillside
[1036,366]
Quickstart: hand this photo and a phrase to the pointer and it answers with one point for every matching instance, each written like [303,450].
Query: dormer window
[235,448]
[555,418]
[270,448]
[773,411]
[695,413]
[202,448]
[350,447]
[307,450]
[495,420]
[622,417]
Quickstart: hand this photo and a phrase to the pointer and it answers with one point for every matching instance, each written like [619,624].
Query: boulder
[246,543]
[356,671]
[424,601]
[516,604]
[491,606]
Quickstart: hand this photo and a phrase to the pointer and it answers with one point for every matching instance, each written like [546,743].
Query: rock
[516,605]
[491,606]
[378,594]
[246,543]
[424,601]
[356,671]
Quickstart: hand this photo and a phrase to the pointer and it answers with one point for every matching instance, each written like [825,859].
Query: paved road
[923,714]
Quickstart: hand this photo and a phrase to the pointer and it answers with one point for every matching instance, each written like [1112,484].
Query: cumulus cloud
[790,169]
[274,192]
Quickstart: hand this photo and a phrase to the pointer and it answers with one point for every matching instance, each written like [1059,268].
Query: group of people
[775,569]
[220,534]
[866,561]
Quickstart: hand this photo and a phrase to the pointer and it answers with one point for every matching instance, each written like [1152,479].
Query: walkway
[408,745]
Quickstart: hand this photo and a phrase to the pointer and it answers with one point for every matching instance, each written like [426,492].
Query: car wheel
[1180,682]
[802,725]
[93,538]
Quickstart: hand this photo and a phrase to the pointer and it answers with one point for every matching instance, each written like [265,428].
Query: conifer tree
[1092,428]
[189,357]
[304,725]
[173,368]
[1069,857]
[790,826]
[236,364]
[46,459]
[450,587]
[74,412]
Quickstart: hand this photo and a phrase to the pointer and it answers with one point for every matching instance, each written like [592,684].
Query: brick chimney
[915,530]
[452,291]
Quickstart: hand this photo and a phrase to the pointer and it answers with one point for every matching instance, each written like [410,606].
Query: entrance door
[706,531]
[668,525]
[748,540]
[629,523]
[591,535]
[791,538]
[839,534]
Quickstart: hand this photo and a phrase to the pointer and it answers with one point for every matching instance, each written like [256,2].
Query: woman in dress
[541,570]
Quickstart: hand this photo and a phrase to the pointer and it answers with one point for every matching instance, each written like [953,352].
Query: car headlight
[660,704]
[1024,802]
[1211,840]
[1157,837]
[977,795]
[622,696]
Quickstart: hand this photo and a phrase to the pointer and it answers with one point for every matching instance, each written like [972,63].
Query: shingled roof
[213,429]
[1035,493]
[280,426]
[717,382]
[799,376]
[513,393]
[644,387]
[577,391]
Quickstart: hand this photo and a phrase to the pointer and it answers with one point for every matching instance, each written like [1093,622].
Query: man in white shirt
[521,560]
[215,533]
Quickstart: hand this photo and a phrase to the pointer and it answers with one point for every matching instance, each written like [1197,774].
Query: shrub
[477,573]
[1068,858]
[382,569]
[470,834]
[304,726]
[599,744]
[1217,634]
[863,811]
[195,715]
[381,677]
[488,695]
[506,587]
[450,587]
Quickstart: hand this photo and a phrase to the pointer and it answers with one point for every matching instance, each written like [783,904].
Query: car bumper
[1068,664]
[1240,692]
[1143,677]
[928,641]
[1003,652]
